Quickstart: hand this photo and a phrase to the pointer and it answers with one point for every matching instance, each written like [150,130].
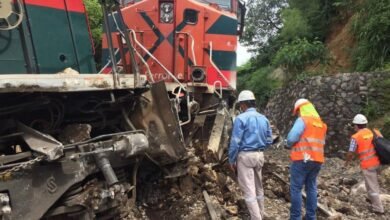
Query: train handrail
[193,48]
[188,112]
[138,54]
[192,45]
[155,59]
[220,88]
[216,68]
[109,62]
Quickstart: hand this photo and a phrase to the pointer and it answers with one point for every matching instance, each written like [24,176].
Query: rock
[186,185]
[233,210]
[358,189]
[269,194]
[337,216]
[385,176]
[193,170]
[75,133]
[349,181]
[385,197]
[210,175]
[221,180]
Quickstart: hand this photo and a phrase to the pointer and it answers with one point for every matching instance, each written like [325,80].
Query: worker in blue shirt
[250,136]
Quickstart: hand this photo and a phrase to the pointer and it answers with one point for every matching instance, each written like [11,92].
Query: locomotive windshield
[225,4]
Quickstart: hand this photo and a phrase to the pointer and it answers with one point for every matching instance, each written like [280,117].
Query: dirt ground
[341,191]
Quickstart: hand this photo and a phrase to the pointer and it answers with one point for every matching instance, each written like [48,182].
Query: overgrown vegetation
[283,33]
[95,19]
[258,81]
[372,29]
[291,34]
[296,55]
[378,106]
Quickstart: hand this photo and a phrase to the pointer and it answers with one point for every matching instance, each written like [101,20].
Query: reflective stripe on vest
[366,149]
[311,142]
[308,148]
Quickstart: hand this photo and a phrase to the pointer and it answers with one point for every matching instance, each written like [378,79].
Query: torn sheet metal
[42,143]
[154,114]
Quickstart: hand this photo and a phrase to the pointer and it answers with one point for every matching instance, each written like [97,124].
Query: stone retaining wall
[337,98]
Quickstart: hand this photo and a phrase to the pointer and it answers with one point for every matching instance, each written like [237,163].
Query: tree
[95,19]
[295,25]
[263,22]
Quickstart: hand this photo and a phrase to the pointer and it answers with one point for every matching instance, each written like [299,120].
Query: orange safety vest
[311,142]
[366,149]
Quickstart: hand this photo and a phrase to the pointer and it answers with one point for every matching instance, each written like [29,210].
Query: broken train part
[98,154]
[77,137]
[53,179]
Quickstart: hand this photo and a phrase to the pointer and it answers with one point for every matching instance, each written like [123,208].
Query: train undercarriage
[79,152]
[76,143]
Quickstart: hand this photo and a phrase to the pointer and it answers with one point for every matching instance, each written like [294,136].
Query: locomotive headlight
[166,12]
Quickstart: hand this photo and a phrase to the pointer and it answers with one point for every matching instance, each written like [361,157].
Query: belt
[254,150]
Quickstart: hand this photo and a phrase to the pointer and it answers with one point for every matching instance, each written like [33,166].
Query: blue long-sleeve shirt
[251,130]
[295,132]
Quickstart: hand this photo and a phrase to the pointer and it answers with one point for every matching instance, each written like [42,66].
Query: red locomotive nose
[177,37]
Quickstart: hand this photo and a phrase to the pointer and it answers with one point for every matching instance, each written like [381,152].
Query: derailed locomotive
[72,138]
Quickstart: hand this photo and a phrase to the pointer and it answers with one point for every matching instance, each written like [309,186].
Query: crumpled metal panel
[154,114]
[42,143]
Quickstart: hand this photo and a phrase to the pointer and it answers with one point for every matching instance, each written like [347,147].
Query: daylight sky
[242,55]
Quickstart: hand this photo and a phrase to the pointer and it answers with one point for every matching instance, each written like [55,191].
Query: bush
[258,81]
[386,128]
[296,55]
[378,106]
[379,103]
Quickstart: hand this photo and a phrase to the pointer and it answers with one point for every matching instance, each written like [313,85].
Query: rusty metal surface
[155,115]
[42,143]
[64,82]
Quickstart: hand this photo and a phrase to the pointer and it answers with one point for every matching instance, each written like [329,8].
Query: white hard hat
[299,103]
[246,95]
[360,119]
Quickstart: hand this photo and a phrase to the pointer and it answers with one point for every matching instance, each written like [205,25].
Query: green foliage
[95,19]
[263,22]
[379,103]
[378,106]
[296,55]
[258,81]
[386,127]
[371,27]
[294,25]
[318,14]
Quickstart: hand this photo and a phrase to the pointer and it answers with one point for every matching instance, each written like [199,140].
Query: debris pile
[341,191]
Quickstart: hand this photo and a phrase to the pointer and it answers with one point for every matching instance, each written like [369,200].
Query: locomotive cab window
[225,4]
[190,16]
